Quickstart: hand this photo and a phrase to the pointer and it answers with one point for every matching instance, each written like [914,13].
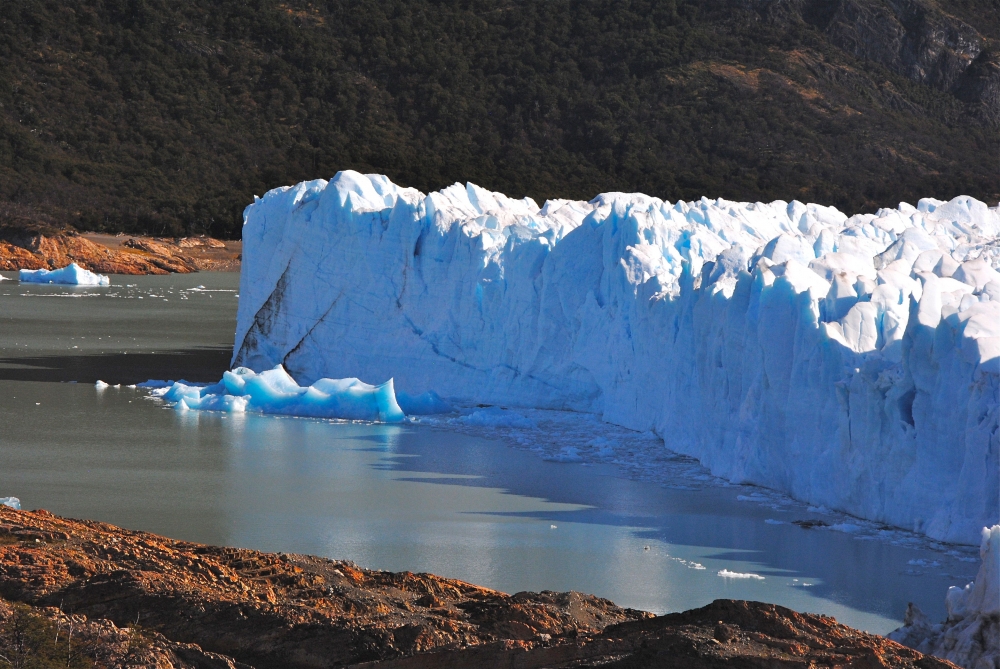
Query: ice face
[970,637]
[12,502]
[275,392]
[851,362]
[71,274]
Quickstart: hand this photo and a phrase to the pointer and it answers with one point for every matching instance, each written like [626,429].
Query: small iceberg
[12,502]
[276,392]
[70,275]
[725,573]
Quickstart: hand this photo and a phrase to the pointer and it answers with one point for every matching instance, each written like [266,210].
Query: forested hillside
[166,117]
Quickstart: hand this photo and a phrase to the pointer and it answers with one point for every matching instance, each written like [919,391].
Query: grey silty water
[391,497]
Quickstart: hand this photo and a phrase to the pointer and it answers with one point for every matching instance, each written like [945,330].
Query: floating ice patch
[849,528]
[100,385]
[158,383]
[425,404]
[275,392]
[496,417]
[923,563]
[566,454]
[12,502]
[71,274]
[725,573]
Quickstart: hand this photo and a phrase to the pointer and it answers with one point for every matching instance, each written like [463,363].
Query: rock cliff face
[227,608]
[914,38]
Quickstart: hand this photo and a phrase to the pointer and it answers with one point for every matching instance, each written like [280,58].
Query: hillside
[165,118]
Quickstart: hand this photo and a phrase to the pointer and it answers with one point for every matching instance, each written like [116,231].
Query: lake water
[411,497]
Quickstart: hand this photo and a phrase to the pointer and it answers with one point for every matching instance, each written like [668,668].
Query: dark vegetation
[166,117]
[30,641]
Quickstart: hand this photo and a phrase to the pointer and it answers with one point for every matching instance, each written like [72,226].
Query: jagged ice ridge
[851,362]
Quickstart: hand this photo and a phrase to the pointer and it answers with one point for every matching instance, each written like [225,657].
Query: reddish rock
[106,254]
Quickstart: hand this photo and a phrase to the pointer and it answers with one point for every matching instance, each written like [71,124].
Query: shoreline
[116,254]
[230,607]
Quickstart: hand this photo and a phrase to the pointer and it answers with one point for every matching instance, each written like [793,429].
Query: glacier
[970,637]
[850,362]
[72,274]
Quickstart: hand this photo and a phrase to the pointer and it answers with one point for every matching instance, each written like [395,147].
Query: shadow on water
[836,566]
[204,364]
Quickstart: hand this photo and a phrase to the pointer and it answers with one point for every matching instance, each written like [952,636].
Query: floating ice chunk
[71,274]
[566,454]
[923,563]
[497,417]
[725,573]
[849,528]
[156,383]
[100,385]
[12,502]
[276,392]
[424,404]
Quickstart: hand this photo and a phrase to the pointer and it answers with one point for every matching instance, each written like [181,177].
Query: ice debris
[424,404]
[12,502]
[71,274]
[496,417]
[276,392]
[970,637]
[725,573]
[850,362]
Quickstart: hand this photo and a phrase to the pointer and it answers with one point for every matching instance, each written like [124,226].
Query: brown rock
[20,249]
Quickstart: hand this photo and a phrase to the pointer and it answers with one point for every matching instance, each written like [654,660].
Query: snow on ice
[850,362]
[71,274]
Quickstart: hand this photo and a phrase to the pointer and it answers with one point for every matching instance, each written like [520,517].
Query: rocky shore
[109,254]
[99,595]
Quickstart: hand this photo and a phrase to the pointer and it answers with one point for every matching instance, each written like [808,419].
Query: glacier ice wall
[970,637]
[850,362]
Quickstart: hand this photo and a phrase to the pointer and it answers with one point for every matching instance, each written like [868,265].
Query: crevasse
[850,362]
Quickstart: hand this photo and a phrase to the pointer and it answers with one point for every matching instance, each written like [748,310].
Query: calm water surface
[388,497]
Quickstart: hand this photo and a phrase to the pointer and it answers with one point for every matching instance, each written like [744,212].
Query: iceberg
[11,502]
[852,362]
[970,637]
[71,274]
[275,392]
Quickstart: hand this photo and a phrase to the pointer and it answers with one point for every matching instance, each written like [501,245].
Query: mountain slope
[166,118]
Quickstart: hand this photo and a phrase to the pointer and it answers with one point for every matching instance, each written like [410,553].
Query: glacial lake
[397,497]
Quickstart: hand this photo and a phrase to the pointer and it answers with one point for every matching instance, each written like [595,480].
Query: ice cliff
[970,637]
[852,362]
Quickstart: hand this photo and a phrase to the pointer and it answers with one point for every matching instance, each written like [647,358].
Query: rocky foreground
[108,254]
[90,594]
